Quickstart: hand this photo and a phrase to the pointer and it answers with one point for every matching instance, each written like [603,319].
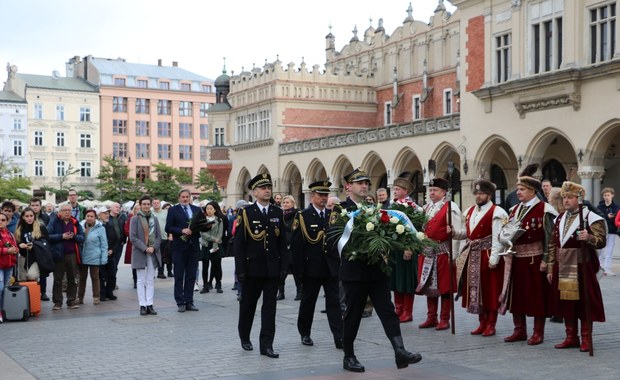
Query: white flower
[370,210]
[394,220]
[400,229]
[420,235]
[370,226]
[344,212]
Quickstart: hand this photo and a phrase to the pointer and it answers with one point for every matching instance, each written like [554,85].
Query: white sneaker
[609,273]
[196,287]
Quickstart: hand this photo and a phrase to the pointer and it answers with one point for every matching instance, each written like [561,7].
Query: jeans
[5,277]
[607,252]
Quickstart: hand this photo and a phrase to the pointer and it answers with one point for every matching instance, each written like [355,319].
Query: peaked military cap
[357,175]
[442,183]
[260,180]
[321,187]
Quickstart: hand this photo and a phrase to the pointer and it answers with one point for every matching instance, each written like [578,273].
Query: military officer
[260,263]
[316,265]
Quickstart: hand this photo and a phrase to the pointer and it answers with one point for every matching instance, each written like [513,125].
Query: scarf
[148,224]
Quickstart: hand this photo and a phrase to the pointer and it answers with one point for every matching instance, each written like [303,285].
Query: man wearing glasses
[77,210]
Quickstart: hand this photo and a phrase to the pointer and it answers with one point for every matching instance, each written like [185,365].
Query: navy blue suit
[184,253]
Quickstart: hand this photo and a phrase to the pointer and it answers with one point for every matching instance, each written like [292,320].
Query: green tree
[115,183]
[12,186]
[168,182]
[207,184]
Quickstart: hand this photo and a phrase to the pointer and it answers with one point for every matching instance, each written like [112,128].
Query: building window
[84,113]
[219,136]
[203,153]
[142,105]
[241,129]
[416,111]
[38,138]
[188,171]
[164,85]
[143,173]
[142,150]
[17,124]
[163,129]
[387,113]
[60,139]
[186,87]
[38,168]
[85,140]
[119,82]
[502,57]
[185,152]
[447,101]
[546,36]
[60,112]
[204,131]
[142,83]
[164,151]
[86,169]
[119,150]
[38,111]
[252,127]
[185,130]
[60,168]
[119,127]
[602,33]
[142,128]
[203,109]
[119,104]
[206,88]
[185,108]
[164,107]
[18,148]
[264,124]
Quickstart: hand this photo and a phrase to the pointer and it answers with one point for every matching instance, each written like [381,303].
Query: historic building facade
[13,131]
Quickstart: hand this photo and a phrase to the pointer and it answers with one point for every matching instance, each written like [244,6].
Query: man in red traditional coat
[434,265]
[572,268]
[527,286]
[480,268]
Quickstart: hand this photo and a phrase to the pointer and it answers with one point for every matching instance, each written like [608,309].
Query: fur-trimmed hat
[404,183]
[572,189]
[530,183]
[442,183]
[357,175]
[260,180]
[321,187]
[483,185]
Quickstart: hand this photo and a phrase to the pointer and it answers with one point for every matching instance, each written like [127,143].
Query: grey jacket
[137,238]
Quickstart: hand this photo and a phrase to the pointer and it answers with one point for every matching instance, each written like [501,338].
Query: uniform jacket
[260,243]
[311,256]
[95,248]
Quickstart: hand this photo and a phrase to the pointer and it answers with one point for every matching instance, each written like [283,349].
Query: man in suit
[184,247]
[261,261]
[360,281]
[316,265]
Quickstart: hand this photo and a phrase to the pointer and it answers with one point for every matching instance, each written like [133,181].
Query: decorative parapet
[391,132]
[252,145]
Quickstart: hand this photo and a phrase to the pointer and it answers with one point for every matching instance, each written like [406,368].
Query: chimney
[159,62]
[175,64]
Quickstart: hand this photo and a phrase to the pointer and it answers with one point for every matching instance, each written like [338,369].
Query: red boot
[398,303]
[431,315]
[519,331]
[539,331]
[407,314]
[586,336]
[444,318]
[482,318]
[491,321]
[572,340]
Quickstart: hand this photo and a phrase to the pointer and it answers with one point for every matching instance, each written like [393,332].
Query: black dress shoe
[161,275]
[366,314]
[350,363]
[143,310]
[324,311]
[280,296]
[298,296]
[247,345]
[181,309]
[268,352]
[338,344]
[170,274]
[191,307]
[112,297]
[44,297]
[307,341]
[204,290]
[150,310]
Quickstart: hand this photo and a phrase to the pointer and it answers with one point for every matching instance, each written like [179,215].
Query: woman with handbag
[210,242]
[94,255]
[29,230]
[8,257]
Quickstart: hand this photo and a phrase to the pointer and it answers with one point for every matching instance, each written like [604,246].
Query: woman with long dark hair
[211,247]
[289,208]
[27,231]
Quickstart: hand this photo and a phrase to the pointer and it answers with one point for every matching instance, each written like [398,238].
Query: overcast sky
[39,36]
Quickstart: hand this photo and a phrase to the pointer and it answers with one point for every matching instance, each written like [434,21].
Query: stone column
[597,177]
[586,182]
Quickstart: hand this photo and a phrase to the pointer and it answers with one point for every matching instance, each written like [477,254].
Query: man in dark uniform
[361,280]
[260,263]
[316,265]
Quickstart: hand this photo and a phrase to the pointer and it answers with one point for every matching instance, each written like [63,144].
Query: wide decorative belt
[442,247]
[528,249]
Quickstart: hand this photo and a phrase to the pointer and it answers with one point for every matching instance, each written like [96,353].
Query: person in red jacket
[8,256]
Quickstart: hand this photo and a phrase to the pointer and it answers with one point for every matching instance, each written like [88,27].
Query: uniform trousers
[253,287]
[356,294]
[312,286]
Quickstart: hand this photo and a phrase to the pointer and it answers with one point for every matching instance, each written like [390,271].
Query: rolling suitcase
[34,291]
[16,303]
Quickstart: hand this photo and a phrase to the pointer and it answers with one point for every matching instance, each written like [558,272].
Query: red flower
[385,218]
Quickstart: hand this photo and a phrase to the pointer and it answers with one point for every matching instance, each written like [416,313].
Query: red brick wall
[323,118]
[221,172]
[475,53]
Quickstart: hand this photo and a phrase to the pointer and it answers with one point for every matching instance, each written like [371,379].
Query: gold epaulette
[319,237]
[256,237]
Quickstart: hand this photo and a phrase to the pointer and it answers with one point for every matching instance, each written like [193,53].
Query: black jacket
[311,256]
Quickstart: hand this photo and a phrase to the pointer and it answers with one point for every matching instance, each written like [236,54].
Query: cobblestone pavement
[112,341]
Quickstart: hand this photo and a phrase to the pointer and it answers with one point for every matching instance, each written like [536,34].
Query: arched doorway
[499,179]
[554,171]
